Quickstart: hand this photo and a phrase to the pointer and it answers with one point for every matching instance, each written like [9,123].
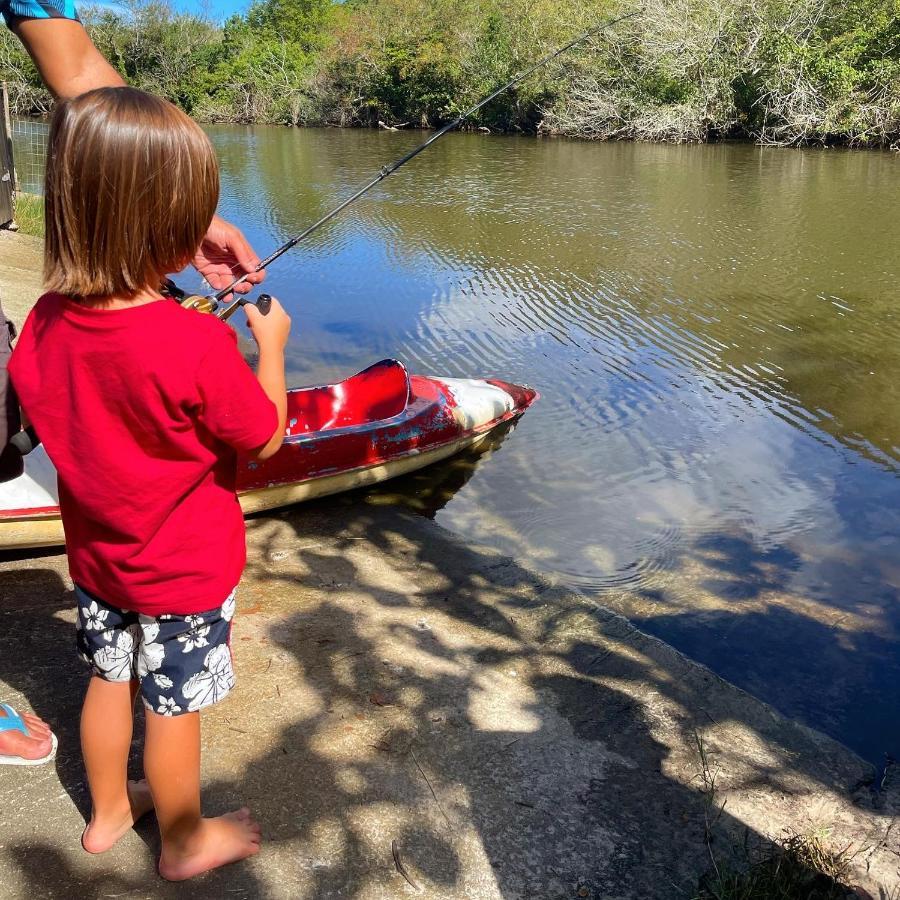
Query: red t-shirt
[142,411]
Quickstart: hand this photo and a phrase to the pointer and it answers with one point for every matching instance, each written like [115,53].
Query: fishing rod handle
[263,304]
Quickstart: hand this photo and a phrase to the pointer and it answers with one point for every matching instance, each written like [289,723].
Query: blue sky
[218,9]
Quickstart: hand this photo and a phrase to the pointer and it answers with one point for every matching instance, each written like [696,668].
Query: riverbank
[21,265]
[819,72]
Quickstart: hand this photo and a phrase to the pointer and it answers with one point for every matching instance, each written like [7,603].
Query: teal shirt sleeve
[38,9]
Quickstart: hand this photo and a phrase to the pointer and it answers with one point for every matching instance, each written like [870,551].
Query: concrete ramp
[406,701]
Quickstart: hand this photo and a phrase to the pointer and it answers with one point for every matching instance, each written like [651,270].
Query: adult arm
[65,56]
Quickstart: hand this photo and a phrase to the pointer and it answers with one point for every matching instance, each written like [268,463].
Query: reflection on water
[714,334]
[429,490]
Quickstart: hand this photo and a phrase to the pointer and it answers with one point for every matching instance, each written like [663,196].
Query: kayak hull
[378,425]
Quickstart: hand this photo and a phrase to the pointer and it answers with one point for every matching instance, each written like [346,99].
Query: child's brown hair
[132,186]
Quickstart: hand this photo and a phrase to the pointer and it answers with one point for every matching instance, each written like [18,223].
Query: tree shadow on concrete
[38,661]
[499,720]
[406,701]
[822,657]
[40,670]
[814,635]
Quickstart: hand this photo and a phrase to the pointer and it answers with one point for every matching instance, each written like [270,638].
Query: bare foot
[216,842]
[34,745]
[99,836]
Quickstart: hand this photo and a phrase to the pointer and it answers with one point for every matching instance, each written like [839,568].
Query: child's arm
[271,334]
[244,411]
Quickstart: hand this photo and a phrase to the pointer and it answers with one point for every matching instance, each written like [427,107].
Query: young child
[142,406]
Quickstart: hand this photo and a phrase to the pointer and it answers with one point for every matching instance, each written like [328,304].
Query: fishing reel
[212,304]
[23,442]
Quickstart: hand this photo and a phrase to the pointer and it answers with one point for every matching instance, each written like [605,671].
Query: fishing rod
[387,170]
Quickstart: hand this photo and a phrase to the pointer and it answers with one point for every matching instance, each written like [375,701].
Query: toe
[38,749]
[15,744]
[37,727]
[31,718]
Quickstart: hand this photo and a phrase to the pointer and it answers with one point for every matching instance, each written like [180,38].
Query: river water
[714,331]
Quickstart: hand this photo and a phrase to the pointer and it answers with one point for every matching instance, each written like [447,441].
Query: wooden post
[9,147]
[7,170]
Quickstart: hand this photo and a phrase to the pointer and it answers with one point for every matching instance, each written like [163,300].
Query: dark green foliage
[304,23]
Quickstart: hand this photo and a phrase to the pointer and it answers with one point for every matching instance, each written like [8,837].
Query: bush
[776,71]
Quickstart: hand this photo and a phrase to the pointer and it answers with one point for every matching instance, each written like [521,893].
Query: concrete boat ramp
[416,716]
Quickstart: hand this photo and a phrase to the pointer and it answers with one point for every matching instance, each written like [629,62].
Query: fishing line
[392,167]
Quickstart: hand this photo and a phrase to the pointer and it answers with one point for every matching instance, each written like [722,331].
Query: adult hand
[224,255]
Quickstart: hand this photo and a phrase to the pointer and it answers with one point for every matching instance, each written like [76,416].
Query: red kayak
[376,425]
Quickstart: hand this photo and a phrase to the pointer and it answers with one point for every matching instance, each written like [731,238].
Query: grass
[29,214]
[799,867]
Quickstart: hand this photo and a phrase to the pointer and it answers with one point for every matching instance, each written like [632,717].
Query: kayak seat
[379,392]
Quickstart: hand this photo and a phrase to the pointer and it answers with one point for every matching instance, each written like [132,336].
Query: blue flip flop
[14,722]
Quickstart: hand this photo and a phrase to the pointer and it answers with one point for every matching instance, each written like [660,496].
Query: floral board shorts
[183,663]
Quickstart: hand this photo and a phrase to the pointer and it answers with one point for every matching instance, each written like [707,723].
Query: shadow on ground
[408,702]
[812,629]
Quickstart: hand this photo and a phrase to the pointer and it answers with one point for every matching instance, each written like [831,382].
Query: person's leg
[10,461]
[107,719]
[190,844]
[106,637]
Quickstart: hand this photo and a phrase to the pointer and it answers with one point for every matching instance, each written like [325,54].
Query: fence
[29,143]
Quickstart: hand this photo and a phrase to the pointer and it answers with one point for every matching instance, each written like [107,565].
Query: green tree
[305,23]
[783,71]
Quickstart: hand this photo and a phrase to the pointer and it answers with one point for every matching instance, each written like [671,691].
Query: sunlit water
[715,336]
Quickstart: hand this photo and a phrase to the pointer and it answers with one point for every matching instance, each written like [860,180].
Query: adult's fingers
[237,254]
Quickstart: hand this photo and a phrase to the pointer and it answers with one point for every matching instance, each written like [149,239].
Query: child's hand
[270,331]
